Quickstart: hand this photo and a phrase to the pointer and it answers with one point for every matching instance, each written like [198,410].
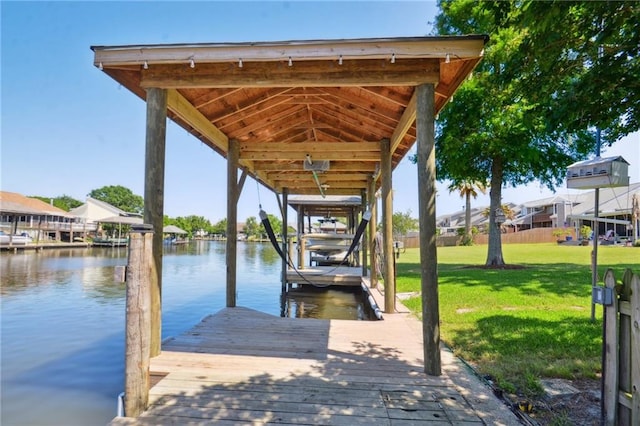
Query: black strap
[356,239]
[272,237]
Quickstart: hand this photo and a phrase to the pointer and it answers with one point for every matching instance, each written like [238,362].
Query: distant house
[40,220]
[569,210]
[549,212]
[615,210]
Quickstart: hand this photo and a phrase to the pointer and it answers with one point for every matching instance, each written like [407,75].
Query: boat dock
[326,275]
[241,366]
[43,246]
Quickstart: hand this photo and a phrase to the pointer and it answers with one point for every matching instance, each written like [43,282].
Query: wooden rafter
[279,113]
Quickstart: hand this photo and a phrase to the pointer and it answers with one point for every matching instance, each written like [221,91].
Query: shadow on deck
[241,366]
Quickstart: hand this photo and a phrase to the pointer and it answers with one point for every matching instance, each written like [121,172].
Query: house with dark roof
[40,220]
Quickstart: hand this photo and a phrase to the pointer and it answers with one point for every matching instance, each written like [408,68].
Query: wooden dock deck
[241,366]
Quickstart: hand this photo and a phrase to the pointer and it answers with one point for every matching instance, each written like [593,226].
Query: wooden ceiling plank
[251,105]
[244,128]
[335,106]
[392,94]
[212,96]
[180,106]
[349,98]
[358,122]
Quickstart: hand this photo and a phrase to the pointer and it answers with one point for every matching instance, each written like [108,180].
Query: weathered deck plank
[241,366]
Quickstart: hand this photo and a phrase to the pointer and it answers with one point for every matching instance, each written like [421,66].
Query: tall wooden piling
[427,201]
[233,156]
[387,227]
[138,320]
[154,200]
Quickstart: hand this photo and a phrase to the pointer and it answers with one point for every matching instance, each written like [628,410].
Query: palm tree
[508,212]
[468,189]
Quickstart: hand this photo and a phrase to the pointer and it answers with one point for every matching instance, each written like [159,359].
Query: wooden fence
[528,236]
[621,386]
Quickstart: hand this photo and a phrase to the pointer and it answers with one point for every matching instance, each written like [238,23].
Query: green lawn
[520,325]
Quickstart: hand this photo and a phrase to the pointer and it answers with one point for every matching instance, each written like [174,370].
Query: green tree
[191,224]
[120,197]
[580,61]
[64,202]
[220,227]
[468,189]
[251,227]
[403,223]
[494,130]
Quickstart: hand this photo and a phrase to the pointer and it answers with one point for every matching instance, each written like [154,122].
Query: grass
[520,325]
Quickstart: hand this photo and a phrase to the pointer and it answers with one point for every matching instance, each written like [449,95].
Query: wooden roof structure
[287,103]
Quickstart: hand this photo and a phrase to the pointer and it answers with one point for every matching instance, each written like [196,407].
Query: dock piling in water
[138,322]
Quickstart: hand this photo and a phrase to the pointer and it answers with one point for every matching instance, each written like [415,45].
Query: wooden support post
[610,359]
[300,240]
[285,201]
[426,156]
[387,228]
[138,320]
[154,201]
[373,230]
[233,157]
[365,236]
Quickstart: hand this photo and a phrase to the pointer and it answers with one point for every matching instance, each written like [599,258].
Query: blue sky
[67,128]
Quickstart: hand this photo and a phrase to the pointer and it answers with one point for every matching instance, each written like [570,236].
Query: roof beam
[311,147]
[336,166]
[354,49]
[312,184]
[306,175]
[405,123]
[301,155]
[377,72]
[181,107]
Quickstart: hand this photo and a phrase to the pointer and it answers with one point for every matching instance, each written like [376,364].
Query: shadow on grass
[516,348]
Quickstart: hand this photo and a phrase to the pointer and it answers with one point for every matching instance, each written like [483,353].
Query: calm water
[62,321]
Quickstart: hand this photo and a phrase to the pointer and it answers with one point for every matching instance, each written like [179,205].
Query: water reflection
[62,322]
[335,303]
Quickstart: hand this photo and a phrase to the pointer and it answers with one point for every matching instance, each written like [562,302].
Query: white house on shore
[615,212]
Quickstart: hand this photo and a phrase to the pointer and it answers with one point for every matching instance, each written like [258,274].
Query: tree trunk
[494,254]
[467,219]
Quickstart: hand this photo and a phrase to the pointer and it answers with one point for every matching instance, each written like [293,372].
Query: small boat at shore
[22,239]
[110,242]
